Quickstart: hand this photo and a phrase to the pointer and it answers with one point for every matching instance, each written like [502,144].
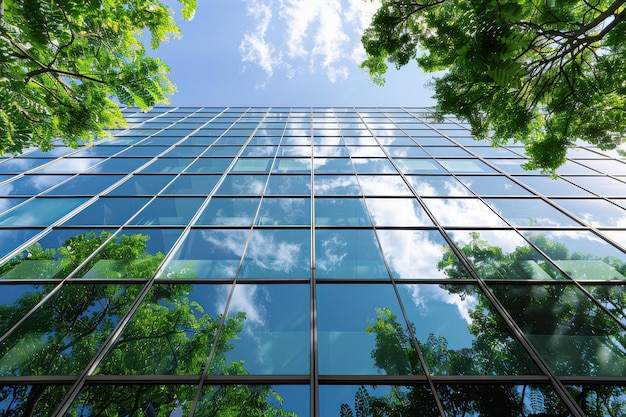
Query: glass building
[310,262]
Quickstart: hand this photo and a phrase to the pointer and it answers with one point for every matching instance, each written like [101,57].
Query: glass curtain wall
[310,262]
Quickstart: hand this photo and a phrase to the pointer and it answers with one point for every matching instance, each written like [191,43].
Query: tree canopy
[543,73]
[66,65]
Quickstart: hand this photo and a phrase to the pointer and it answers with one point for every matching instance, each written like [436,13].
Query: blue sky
[281,53]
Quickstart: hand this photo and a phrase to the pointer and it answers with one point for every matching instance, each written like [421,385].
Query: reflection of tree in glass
[168,334]
[551,310]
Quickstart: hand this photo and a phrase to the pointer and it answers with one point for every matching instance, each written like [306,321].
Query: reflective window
[142,185]
[599,213]
[437,186]
[54,255]
[553,187]
[420,254]
[276,331]
[501,254]
[487,185]
[209,165]
[459,332]
[168,211]
[295,165]
[132,253]
[333,166]
[545,313]
[115,165]
[582,254]
[529,212]
[336,185]
[29,185]
[86,185]
[405,212]
[348,253]
[66,331]
[384,185]
[348,343]
[108,211]
[242,185]
[284,211]
[289,185]
[229,211]
[341,212]
[19,165]
[419,166]
[279,253]
[373,166]
[168,165]
[167,346]
[254,165]
[462,212]
[248,400]
[10,239]
[192,185]
[208,253]
[41,211]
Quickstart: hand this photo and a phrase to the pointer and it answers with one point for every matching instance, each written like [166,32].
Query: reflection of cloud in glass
[422,294]
[383,185]
[412,253]
[332,257]
[397,212]
[332,185]
[243,300]
[463,212]
[267,252]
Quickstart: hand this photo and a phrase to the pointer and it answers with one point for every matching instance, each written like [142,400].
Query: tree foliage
[62,63]
[542,73]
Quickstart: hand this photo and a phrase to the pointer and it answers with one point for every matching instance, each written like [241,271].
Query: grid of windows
[318,261]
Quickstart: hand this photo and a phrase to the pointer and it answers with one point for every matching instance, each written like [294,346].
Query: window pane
[277,254]
[108,211]
[352,253]
[405,212]
[242,185]
[284,211]
[340,212]
[453,319]
[275,335]
[41,211]
[168,211]
[30,185]
[229,211]
[501,255]
[142,185]
[192,185]
[430,186]
[289,185]
[545,314]
[336,185]
[346,341]
[208,253]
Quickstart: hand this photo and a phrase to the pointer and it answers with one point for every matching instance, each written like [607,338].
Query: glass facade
[310,262]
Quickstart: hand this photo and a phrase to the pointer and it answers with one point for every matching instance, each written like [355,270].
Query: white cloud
[254,47]
[305,35]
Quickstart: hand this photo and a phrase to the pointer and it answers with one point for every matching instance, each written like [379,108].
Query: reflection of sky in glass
[31,184]
[275,336]
[405,212]
[487,185]
[529,212]
[41,211]
[277,254]
[599,213]
[383,185]
[289,185]
[208,253]
[242,185]
[336,185]
[344,347]
[413,253]
[462,212]
[350,253]
[437,186]
[284,211]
